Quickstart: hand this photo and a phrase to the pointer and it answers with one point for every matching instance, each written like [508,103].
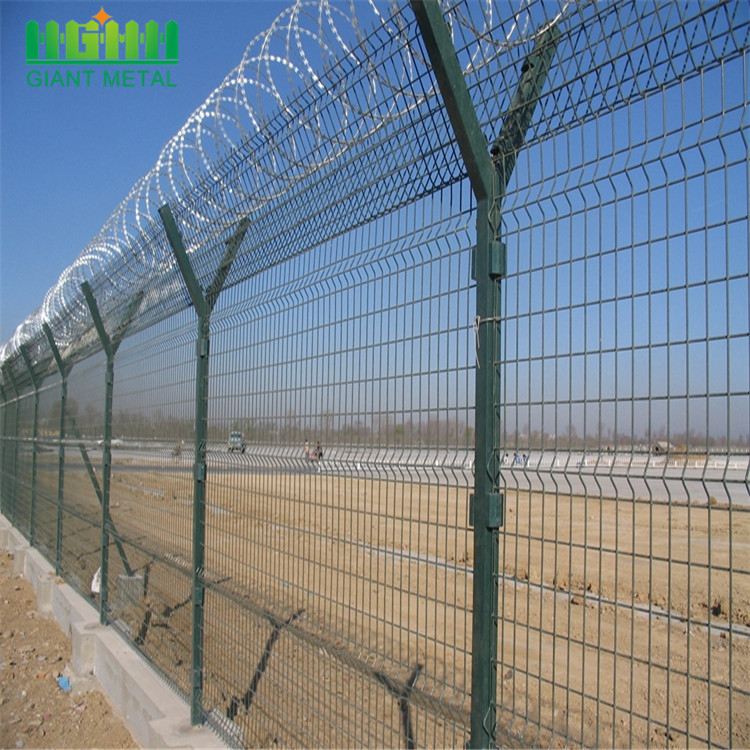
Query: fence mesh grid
[623,573]
[332,600]
[47,475]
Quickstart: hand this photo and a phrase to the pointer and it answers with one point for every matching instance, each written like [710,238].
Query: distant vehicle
[114,443]
[236,442]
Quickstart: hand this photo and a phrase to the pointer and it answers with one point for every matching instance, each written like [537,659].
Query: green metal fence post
[2,450]
[106,448]
[14,469]
[64,371]
[110,346]
[486,511]
[35,436]
[199,464]
[8,503]
[489,179]
[203,306]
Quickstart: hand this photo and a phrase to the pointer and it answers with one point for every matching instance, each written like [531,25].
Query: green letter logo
[82,42]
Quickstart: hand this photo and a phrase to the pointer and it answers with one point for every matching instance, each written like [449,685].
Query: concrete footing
[155,715]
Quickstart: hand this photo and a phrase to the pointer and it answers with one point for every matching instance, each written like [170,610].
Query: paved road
[621,476]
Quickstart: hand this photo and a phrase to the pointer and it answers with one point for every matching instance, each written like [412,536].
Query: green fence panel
[471,461]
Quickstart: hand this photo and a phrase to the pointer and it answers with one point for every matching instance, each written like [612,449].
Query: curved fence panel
[405,401]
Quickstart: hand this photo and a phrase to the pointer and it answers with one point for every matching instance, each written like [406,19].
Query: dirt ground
[34,652]
[621,623]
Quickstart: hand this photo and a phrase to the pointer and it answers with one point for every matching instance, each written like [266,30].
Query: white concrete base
[155,715]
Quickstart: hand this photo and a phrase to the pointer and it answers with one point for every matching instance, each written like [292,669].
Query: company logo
[84,43]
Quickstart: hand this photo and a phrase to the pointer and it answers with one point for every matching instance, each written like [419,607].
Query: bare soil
[621,623]
[34,652]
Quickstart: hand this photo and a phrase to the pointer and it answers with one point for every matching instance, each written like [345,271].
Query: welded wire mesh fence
[276,509]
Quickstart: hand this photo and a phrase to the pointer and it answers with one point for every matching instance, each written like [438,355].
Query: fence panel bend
[453,446]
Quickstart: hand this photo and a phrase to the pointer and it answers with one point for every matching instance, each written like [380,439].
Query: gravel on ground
[35,709]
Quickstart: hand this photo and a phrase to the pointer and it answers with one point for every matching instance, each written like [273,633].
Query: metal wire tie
[477,322]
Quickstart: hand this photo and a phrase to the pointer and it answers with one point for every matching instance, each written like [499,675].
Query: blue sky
[634,290]
[69,155]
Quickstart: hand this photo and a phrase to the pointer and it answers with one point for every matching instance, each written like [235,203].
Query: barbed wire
[329,83]
[306,41]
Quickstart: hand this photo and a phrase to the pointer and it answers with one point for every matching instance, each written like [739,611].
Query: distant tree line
[607,440]
[382,429]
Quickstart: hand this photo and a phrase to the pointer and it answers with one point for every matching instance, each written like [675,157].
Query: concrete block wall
[156,716]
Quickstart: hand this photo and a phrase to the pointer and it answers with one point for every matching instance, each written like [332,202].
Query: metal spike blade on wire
[301,43]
